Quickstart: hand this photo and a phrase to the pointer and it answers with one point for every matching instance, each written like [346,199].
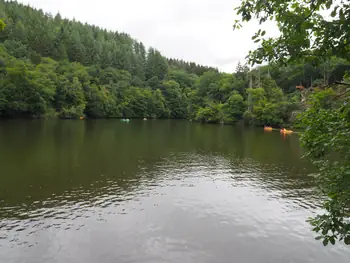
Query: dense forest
[54,67]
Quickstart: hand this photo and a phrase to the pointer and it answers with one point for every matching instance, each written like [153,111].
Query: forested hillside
[54,67]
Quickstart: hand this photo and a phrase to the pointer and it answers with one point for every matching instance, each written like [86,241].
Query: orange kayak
[267,128]
[286,131]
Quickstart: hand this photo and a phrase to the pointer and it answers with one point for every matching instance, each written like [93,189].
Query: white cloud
[193,30]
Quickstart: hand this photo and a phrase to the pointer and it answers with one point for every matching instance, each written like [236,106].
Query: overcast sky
[193,30]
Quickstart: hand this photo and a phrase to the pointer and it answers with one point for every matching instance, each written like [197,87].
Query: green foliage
[326,138]
[310,35]
[156,105]
[189,67]
[71,90]
[100,102]
[306,32]
[175,100]
[25,91]
[70,98]
[229,112]
[2,25]
[235,107]
[267,105]
[156,65]
[184,79]
[82,70]
[212,113]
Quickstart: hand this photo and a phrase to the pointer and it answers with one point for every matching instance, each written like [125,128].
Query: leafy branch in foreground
[326,139]
[307,34]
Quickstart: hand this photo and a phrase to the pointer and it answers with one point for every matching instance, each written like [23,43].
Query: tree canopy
[55,67]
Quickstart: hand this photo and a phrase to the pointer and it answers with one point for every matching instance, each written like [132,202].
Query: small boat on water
[282,131]
[285,131]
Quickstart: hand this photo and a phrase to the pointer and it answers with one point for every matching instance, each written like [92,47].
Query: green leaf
[2,25]
[341,15]
[347,240]
[325,242]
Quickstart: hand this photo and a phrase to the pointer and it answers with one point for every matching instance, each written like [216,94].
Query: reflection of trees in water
[66,162]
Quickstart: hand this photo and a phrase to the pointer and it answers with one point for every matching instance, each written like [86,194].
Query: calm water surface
[154,191]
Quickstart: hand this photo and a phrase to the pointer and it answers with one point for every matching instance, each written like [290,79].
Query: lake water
[154,191]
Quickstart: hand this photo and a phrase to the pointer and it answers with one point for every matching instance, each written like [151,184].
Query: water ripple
[186,205]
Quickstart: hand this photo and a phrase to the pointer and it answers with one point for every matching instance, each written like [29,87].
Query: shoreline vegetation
[52,67]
